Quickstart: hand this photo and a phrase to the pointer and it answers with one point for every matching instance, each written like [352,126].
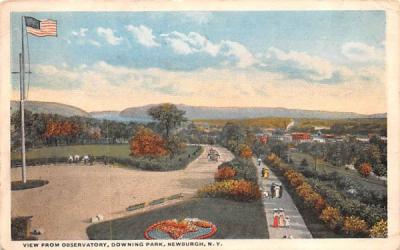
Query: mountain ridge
[139,113]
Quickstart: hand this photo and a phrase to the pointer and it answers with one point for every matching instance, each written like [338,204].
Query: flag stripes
[46,28]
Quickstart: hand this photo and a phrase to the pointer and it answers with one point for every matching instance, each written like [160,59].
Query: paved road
[297,229]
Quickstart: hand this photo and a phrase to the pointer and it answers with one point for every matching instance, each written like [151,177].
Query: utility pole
[22,99]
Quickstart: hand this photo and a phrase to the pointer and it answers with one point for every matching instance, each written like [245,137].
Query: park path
[75,193]
[298,228]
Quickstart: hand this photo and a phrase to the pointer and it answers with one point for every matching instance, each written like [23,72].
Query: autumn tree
[57,130]
[245,151]
[147,143]
[365,169]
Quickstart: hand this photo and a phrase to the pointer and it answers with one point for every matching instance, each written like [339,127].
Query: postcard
[200,125]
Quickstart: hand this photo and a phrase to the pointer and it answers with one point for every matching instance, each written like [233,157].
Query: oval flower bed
[188,228]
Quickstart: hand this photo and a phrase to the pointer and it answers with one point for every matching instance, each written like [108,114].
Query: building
[287,138]
[319,139]
[263,138]
[301,137]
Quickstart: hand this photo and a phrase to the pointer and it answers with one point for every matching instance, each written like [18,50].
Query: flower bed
[349,224]
[239,190]
[188,228]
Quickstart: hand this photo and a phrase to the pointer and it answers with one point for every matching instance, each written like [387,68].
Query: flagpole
[22,99]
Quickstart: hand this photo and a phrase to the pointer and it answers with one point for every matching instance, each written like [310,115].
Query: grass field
[115,150]
[370,183]
[117,154]
[239,220]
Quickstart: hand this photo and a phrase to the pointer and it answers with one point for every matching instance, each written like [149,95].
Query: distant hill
[139,114]
[380,115]
[115,116]
[50,108]
[203,112]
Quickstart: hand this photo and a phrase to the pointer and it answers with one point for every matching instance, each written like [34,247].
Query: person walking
[280,190]
[276,218]
[276,190]
[273,190]
[281,215]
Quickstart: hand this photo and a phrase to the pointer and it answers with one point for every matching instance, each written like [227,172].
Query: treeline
[344,126]
[53,130]
[352,152]
[265,122]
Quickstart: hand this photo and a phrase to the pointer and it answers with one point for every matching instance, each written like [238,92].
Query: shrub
[245,151]
[272,159]
[147,143]
[295,179]
[225,173]
[331,216]
[239,190]
[379,230]
[365,169]
[244,169]
[355,226]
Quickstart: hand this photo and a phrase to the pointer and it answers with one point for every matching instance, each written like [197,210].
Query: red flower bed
[176,229]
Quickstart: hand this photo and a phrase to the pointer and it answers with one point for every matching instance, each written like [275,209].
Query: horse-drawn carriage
[213,155]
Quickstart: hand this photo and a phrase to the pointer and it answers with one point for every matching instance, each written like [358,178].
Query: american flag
[37,27]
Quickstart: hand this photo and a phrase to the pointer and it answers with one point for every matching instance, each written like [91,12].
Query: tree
[147,143]
[168,116]
[245,151]
[232,136]
[365,169]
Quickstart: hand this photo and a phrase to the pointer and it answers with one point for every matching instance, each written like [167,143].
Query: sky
[316,60]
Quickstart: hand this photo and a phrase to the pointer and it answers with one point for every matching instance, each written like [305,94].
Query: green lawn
[114,150]
[368,183]
[234,220]
[118,154]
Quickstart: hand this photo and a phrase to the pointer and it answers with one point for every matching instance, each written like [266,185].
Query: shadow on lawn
[234,220]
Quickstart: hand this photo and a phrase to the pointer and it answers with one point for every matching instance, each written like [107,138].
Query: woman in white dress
[276,191]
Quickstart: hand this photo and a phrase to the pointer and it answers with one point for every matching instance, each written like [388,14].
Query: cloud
[194,42]
[240,52]
[299,65]
[80,37]
[100,84]
[80,33]
[191,43]
[108,35]
[94,42]
[143,34]
[361,52]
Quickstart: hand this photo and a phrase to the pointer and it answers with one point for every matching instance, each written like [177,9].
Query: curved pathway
[297,229]
[74,194]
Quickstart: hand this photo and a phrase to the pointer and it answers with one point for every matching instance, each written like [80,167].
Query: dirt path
[76,193]
[297,229]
